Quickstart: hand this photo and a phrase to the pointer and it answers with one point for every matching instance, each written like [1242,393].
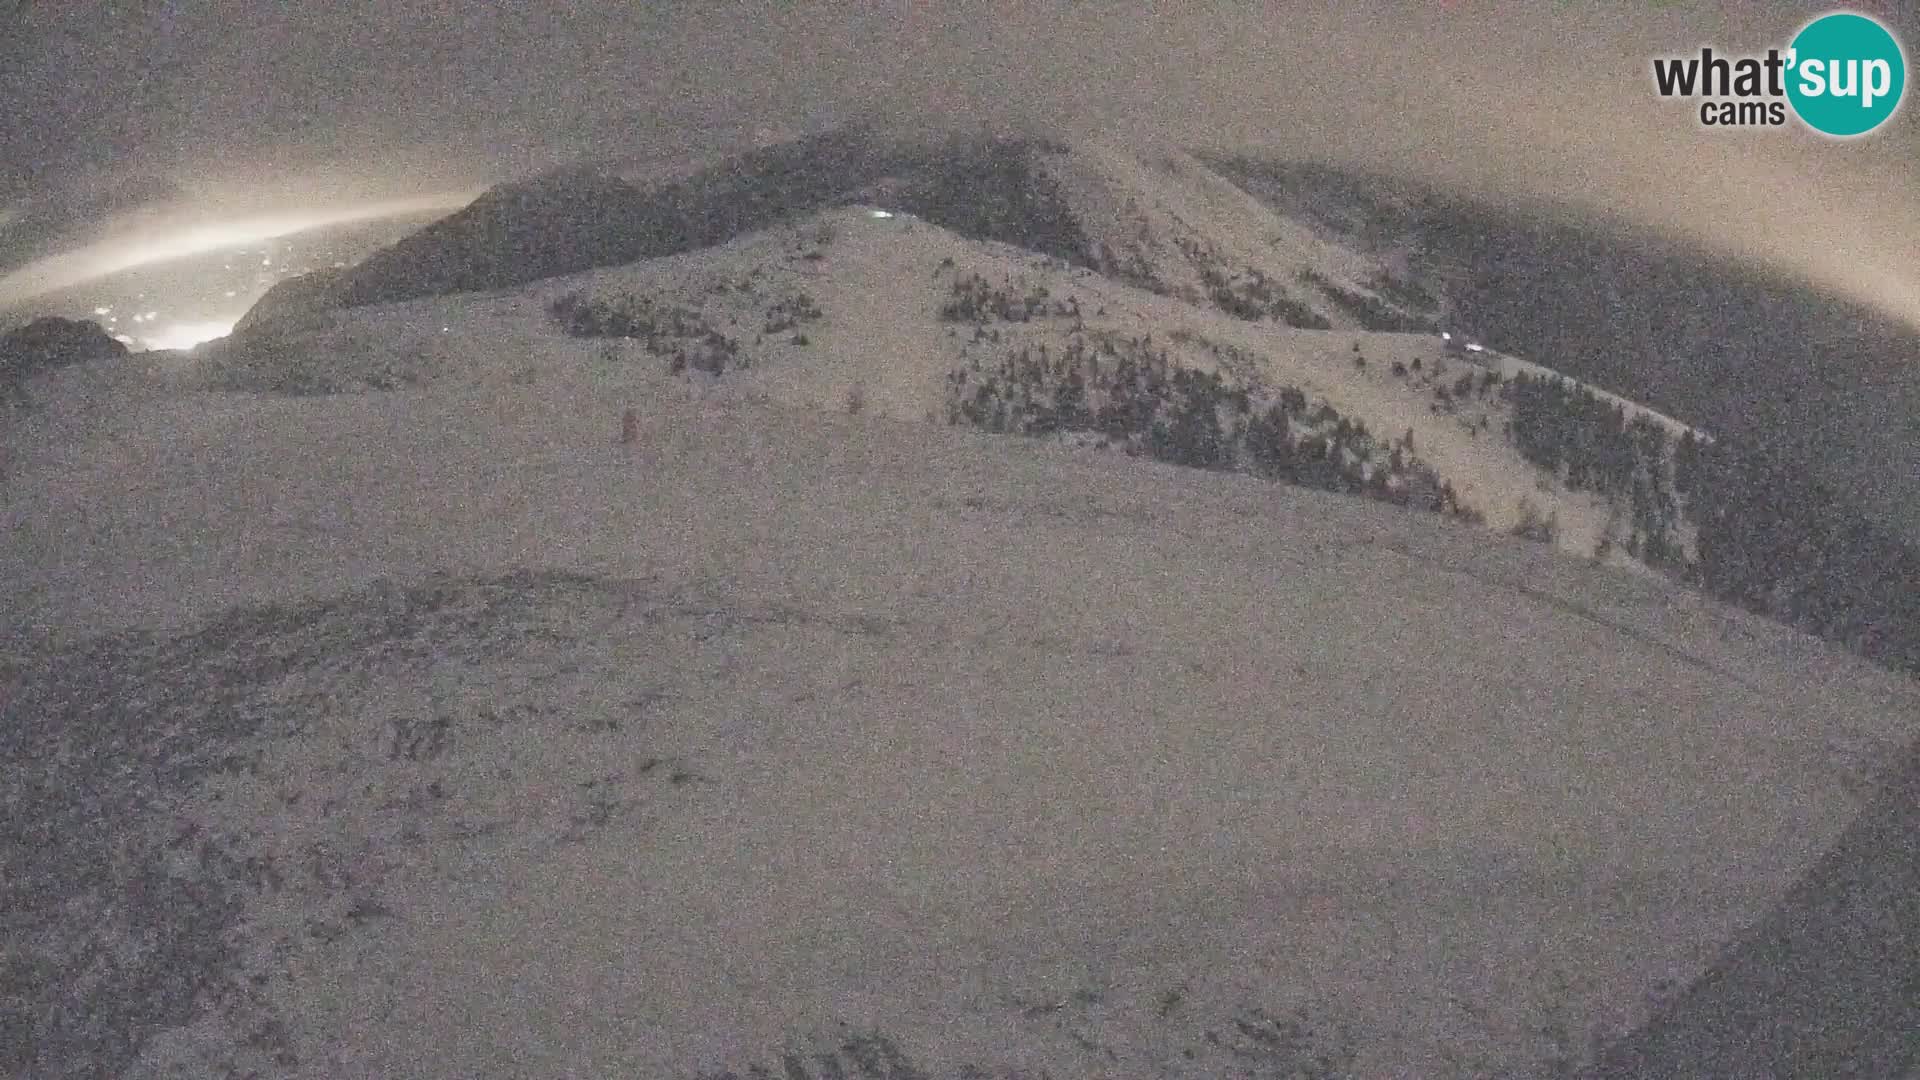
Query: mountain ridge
[566,627]
[1267,245]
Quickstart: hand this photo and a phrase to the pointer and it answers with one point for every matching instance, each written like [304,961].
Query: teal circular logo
[1846,74]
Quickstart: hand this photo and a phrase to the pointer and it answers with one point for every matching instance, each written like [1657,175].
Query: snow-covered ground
[435,732]
[1171,216]
[880,283]
[1023,757]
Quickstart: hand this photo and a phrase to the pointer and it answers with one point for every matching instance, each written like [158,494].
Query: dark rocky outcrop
[51,342]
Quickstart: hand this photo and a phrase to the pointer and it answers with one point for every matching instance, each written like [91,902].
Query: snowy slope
[808,726]
[1167,222]
[879,285]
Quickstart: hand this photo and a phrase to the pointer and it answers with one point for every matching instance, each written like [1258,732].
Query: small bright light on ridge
[879,213]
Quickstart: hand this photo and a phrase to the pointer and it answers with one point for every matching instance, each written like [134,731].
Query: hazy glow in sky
[1544,102]
[159,245]
[186,335]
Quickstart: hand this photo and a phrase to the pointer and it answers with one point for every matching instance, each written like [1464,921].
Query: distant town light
[184,336]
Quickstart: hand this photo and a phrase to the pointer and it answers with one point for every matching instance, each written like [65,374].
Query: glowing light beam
[111,256]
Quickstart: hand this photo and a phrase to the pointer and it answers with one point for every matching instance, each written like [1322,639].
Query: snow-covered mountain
[441,733]
[615,631]
[1159,258]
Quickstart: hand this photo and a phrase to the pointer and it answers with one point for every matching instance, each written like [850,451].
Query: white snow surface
[1114,735]
[1030,757]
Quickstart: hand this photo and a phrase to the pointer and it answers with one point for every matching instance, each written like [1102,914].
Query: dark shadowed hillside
[514,234]
[1818,380]
[990,190]
[1822,383]
[311,292]
[579,219]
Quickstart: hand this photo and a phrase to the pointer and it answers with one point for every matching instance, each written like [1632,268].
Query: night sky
[247,107]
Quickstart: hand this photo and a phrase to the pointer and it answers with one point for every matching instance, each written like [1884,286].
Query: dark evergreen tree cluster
[679,334]
[1371,312]
[1779,544]
[1134,396]
[1254,297]
[1768,538]
[976,300]
[1534,525]
[791,312]
[1406,292]
[1132,268]
[1588,443]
